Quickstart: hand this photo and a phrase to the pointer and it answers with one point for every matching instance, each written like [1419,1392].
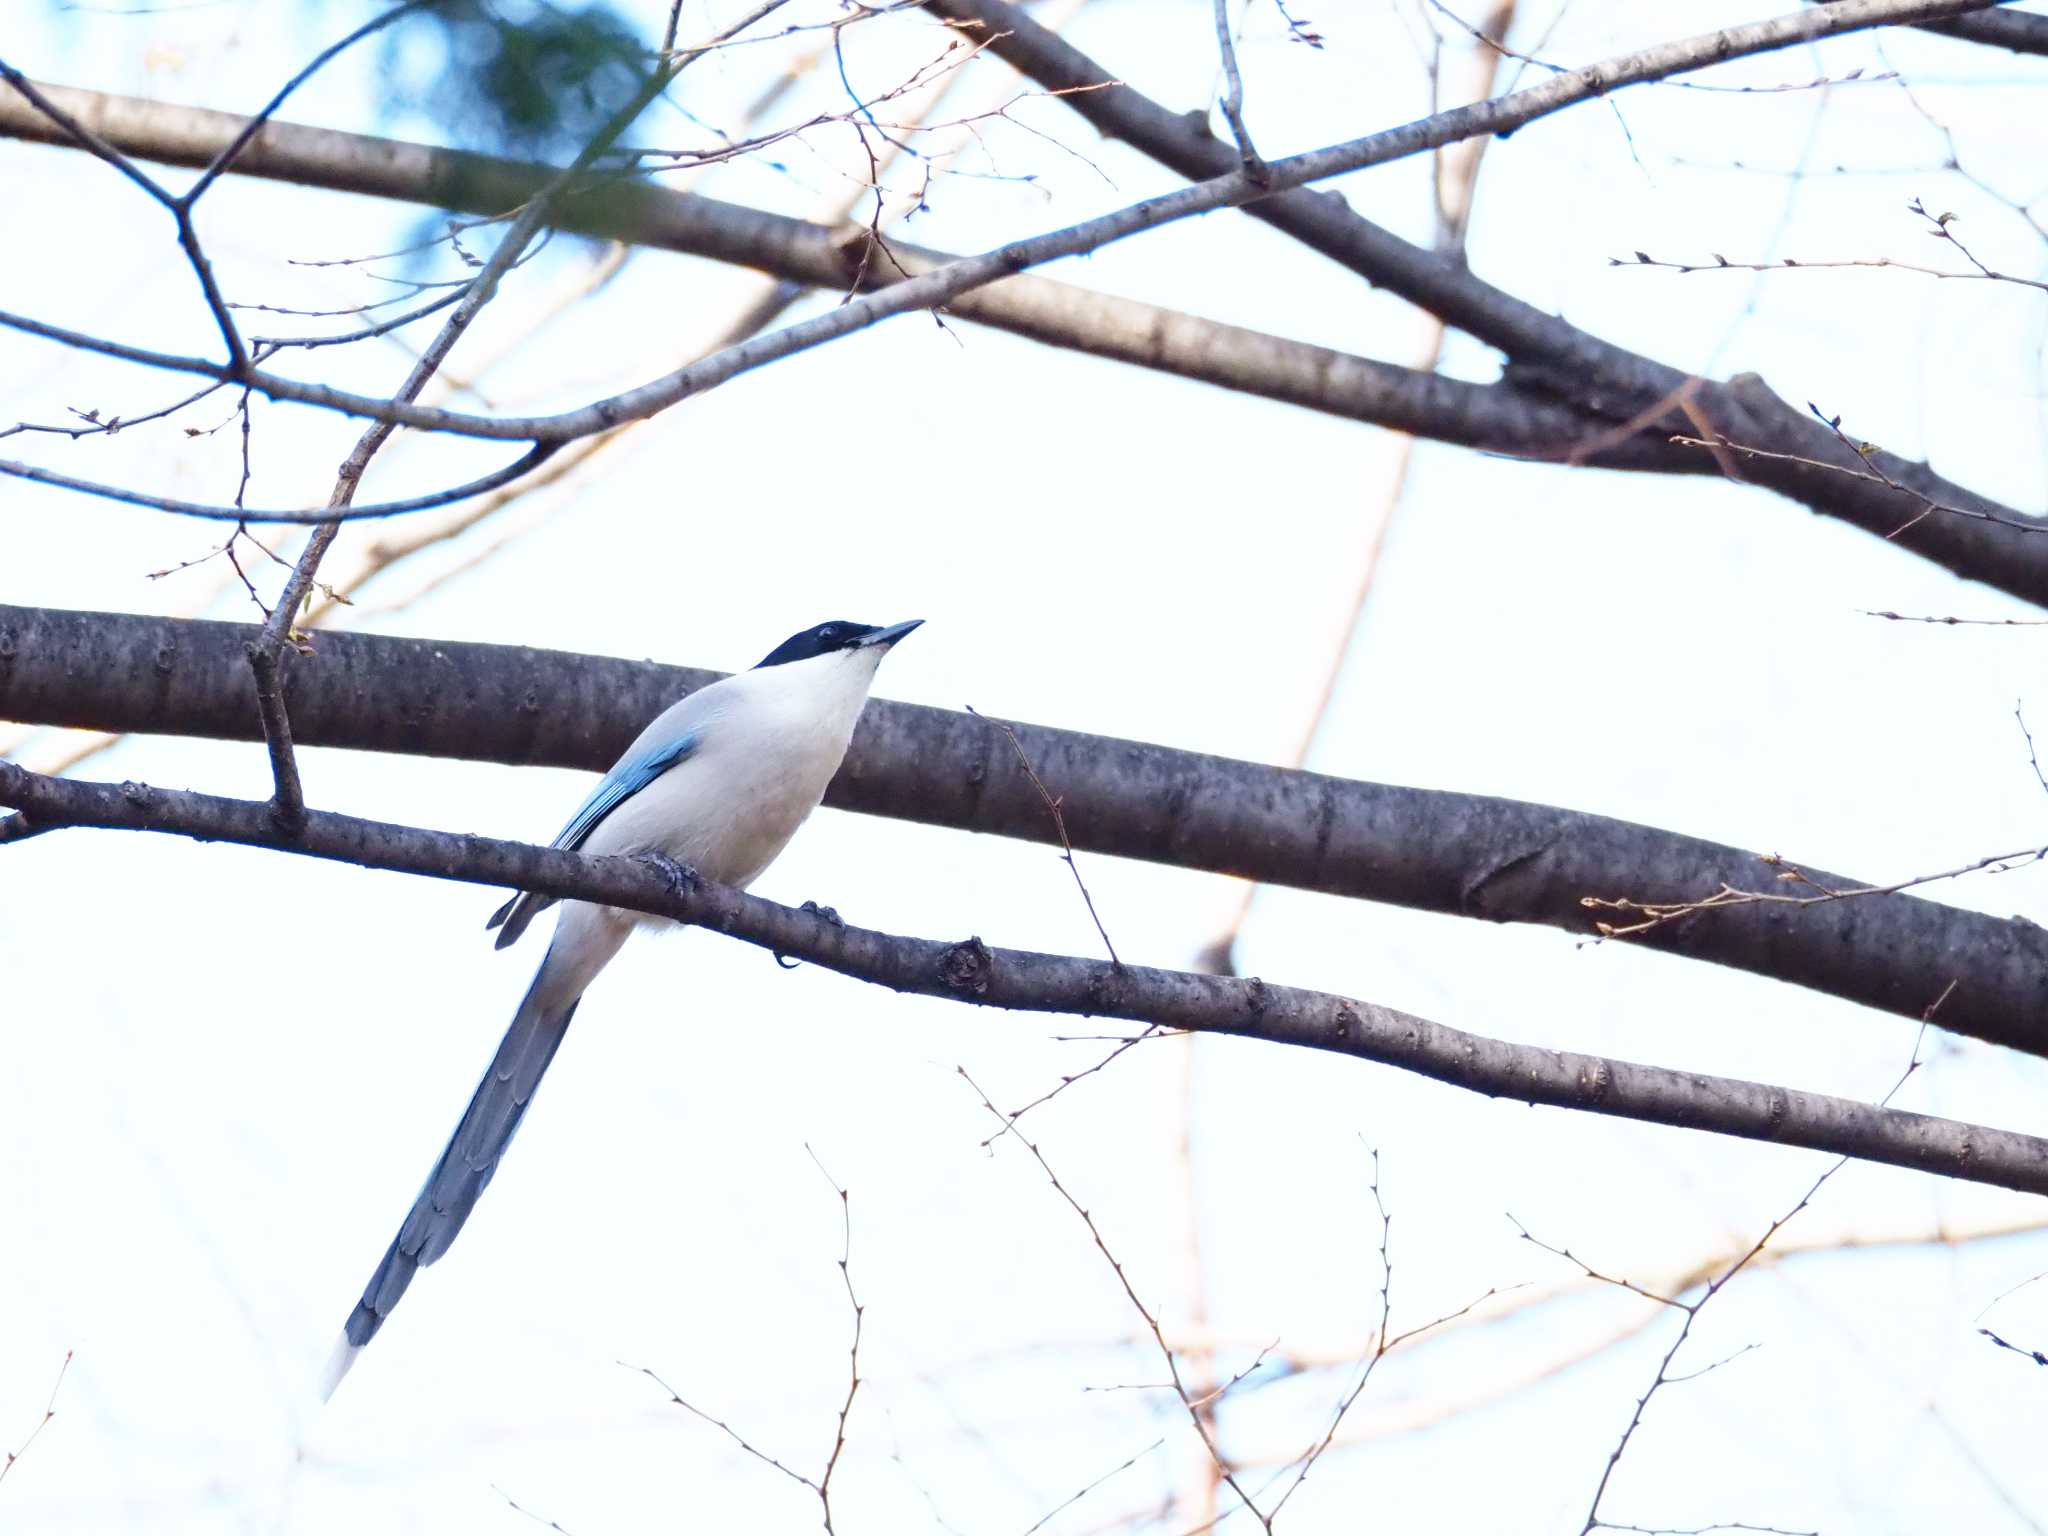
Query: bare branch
[2014,30]
[1069,1502]
[937,287]
[1473,856]
[1500,418]
[180,207]
[1791,264]
[1665,1377]
[537,1519]
[824,1483]
[970,971]
[49,1408]
[532,459]
[1233,94]
[267,652]
[1714,1286]
[1811,892]
[1455,185]
[820,1485]
[1059,823]
[1546,353]
[1196,1417]
[1936,618]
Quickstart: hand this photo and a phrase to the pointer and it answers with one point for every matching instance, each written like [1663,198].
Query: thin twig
[49,1413]
[1721,263]
[553,1525]
[1059,821]
[1655,914]
[1233,94]
[822,1484]
[181,206]
[1455,185]
[266,652]
[1501,48]
[941,285]
[1379,1348]
[717,1423]
[1069,1502]
[1664,1376]
[1154,1032]
[1718,444]
[1714,1287]
[2033,761]
[1195,1415]
[1936,618]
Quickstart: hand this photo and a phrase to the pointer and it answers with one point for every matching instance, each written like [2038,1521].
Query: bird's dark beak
[889,636]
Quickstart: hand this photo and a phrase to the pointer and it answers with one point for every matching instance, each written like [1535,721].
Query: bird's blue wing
[627,778]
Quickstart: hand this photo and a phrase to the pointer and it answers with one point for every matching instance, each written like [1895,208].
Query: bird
[717,783]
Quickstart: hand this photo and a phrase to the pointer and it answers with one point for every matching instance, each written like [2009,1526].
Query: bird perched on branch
[719,783]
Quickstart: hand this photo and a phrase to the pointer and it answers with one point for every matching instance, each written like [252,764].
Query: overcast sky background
[228,1070]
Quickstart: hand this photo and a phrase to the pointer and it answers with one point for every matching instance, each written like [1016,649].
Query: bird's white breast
[769,742]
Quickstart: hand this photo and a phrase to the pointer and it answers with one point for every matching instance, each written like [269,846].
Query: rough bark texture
[1468,855]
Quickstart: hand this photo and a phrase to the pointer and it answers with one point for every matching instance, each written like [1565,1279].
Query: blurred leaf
[525,79]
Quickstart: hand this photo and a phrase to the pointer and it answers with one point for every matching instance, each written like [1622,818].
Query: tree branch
[973,972]
[940,286]
[268,651]
[1545,352]
[1466,855]
[2015,31]
[1500,418]
[530,460]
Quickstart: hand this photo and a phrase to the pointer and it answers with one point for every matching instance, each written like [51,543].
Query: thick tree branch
[2016,31]
[940,286]
[1545,352]
[973,972]
[1466,855]
[1500,418]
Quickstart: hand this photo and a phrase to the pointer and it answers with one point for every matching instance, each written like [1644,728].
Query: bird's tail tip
[338,1362]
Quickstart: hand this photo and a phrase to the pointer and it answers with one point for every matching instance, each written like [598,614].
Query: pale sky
[231,1069]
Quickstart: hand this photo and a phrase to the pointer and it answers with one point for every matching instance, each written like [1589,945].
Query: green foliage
[533,80]
[528,78]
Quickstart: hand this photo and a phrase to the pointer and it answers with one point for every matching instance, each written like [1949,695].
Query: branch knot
[968,967]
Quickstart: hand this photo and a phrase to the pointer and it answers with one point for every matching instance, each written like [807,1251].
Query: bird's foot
[817,910]
[680,878]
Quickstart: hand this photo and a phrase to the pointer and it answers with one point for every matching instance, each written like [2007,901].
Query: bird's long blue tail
[471,1157]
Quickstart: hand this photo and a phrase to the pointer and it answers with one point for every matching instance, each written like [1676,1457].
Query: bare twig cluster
[1806,892]
[821,1484]
[1199,1412]
[938,287]
[1692,1309]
